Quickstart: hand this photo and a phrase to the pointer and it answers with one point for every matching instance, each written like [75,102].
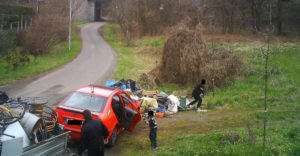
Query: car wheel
[113,138]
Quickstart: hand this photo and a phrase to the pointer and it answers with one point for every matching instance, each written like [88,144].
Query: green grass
[248,95]
[133,60]
[169,88]
[80,22]
[241,100]
[285,141]
[156,42]
[283,85]
[58,56]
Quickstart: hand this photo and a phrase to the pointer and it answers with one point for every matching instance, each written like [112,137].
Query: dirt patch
[181,123]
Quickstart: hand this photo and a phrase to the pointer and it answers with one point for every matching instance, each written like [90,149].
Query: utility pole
[21,22]
[266,90]
[70,25]
[37,6]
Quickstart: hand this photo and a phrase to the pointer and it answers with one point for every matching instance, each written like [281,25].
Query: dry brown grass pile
[182,55]
[186,61]
[221,65]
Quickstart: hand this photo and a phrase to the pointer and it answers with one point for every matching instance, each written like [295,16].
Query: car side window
[124,97]
[116,101]
[117,106]
[116,98]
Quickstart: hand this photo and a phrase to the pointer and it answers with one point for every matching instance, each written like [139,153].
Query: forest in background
[152,17]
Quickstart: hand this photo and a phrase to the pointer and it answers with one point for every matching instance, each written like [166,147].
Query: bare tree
[124,14]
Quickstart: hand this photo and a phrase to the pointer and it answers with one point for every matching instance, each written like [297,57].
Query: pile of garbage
[158,101]
[25,122]
[127,85]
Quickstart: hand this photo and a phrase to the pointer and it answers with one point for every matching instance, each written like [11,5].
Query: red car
[112,106]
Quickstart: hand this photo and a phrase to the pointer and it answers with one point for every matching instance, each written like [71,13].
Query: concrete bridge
[89,9]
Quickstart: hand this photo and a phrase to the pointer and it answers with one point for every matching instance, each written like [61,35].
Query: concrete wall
[85,11]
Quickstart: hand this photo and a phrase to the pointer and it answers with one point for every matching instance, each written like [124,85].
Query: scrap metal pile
[25,122]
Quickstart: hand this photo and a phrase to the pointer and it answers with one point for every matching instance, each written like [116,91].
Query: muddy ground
[181,123]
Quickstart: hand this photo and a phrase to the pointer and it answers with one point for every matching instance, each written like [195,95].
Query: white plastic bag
[173,103]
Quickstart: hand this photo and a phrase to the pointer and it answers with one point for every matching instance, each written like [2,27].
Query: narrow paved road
[95,64]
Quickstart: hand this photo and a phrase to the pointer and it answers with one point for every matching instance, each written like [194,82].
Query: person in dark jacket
[198,92]
[93,136]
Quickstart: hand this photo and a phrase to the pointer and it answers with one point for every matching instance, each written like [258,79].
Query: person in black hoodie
[93,136]
[198,92]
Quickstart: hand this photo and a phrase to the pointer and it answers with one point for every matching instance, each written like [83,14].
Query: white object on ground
[173,103]
[201,110]
[134,97]
[187,101]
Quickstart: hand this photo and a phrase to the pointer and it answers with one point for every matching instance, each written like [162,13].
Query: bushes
[37,43]
[222,65]
[49,28]
[7,41]
[16,58]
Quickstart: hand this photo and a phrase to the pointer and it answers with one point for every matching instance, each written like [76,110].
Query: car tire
[113,138]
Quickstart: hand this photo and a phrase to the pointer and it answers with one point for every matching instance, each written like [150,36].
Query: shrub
[49,27]
[7,41]
[15,59]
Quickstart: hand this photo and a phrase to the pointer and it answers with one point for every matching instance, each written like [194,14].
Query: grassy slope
[243,100]
[137,59]
[133,60]
[58,56]
[283,133]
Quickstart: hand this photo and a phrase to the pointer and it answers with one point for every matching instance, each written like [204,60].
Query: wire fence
[15,22]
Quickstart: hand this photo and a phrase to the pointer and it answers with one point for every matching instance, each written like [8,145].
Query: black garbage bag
[3,97]
[133,85]
[120,83]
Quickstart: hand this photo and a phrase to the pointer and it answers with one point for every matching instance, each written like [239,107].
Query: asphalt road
[94,65]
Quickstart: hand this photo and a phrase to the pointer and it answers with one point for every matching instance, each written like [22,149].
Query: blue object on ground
[110,83]
[123,87]
[161,109]
[162,92]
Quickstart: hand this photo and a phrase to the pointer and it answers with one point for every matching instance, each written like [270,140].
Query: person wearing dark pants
[93,136]
[153,130]
[197,93]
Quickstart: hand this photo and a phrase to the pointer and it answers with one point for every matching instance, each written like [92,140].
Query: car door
[126,116]
[127,101]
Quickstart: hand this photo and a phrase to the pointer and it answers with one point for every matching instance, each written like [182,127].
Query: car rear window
[86,101]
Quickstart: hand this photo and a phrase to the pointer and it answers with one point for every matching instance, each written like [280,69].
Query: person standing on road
[198,92]
[93,136]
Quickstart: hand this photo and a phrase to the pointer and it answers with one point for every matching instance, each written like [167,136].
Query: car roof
[97,90]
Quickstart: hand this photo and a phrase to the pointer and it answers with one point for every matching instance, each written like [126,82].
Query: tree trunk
[279,19]
[256,10]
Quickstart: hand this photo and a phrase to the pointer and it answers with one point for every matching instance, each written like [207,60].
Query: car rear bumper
[75,134]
